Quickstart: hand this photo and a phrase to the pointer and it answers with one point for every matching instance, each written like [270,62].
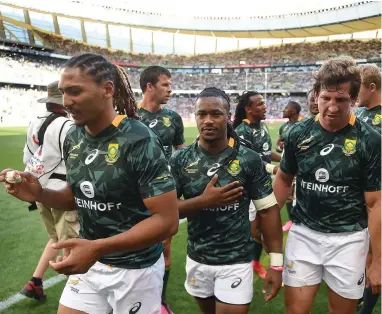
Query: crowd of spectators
[19,105]
[297,53]
[33,71]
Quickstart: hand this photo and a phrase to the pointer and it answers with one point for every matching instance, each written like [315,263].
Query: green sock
[165,281]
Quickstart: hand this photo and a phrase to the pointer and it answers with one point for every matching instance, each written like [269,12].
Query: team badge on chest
[166,121]
[377,119]
[349,147]
[112,153]
[234,167]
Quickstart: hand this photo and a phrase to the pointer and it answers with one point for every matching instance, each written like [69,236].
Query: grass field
[22,238]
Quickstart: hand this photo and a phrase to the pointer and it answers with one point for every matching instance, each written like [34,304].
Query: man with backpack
[43,159]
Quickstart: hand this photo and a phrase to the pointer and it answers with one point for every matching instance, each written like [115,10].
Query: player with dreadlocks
[250,112]
[218,177]
[118,180]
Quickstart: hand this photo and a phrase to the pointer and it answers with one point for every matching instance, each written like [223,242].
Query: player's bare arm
[282,186]
[211,197]
[276,157]
[30,190]
[373,204]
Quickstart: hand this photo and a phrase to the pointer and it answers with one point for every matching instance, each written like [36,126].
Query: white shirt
[43,161]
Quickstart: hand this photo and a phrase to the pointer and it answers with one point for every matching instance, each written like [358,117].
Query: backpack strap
[41,132]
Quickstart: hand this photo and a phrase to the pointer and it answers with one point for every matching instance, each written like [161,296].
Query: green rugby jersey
[372,117]
[110,175]
[258,136]
[219,236]
[167,124]
[286,127]
[333,170]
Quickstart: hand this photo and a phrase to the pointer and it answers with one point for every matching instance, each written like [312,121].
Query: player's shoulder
[135,130]
[365,132]
[248,154]
[181,156]
[301,127]
[243,127]
[170,113]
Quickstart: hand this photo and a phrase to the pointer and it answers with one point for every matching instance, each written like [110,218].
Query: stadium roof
[145,26]
[347,18]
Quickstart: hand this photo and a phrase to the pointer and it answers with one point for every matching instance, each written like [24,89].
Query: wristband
[276,259]
[269,168]
[277,268]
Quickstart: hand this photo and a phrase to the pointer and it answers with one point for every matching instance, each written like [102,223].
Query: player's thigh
[48,220]
[66,224]
[299,300]
[167,251]
[344,269]
[136,290]
[234,285]
[82,296]
[200,279]
[62,309]
[224,308]
[206,305]
[341,305]
[303,264]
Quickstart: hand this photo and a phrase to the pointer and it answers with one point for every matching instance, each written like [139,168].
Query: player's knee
[296,309]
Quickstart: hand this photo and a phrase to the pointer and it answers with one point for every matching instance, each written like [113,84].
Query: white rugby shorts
[232,284]
[337,258]
[107,288]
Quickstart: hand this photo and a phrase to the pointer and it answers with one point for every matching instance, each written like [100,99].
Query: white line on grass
[47,284]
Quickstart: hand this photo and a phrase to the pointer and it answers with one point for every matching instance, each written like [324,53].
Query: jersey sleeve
[372,161]
[179,131]
[260,185]
[175,172]
[288,162]
[244,133]
[150,167]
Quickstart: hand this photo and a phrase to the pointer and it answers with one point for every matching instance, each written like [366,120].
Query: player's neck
[150,105]
[214,147]
[293,119]
[375,101]
[101,122]
[253,120]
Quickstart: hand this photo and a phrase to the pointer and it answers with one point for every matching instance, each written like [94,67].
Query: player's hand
[272,284]
[28,190]
[374,277]
[83,255]
[221,196]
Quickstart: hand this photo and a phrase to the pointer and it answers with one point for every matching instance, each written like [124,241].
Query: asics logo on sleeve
[215,167]
[326,150]
[93,155]
[153,123]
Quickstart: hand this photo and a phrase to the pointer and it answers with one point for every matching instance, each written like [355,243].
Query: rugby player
[248,124]
[369,111]
[292,113]
[155,82]
[312,103]
[118,180]
[218,177]
[337,161]
[369,96]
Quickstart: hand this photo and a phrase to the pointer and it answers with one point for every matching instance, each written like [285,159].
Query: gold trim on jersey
[117,120]
[377,119]
[231,142]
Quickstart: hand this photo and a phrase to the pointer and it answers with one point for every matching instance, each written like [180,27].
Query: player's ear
[373,87]
[108,89]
